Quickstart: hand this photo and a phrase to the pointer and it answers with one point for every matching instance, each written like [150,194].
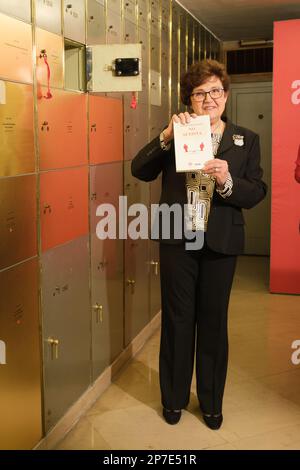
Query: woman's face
[214,107]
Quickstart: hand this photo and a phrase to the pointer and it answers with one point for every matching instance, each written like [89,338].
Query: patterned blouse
[200,188]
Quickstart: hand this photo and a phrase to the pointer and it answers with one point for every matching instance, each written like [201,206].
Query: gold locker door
[15,50]
[16,129]
[20,391]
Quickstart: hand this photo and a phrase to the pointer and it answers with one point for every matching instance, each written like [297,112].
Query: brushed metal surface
[19,9]
[137,267]
[53,45]
[66,319]
[16,130]
[105,129]
[48,15]
[63,206]
[95,23]
[18,238]
[74,20]
[15,50]
[62,123]
[107,270]
[113,27]
[20,391]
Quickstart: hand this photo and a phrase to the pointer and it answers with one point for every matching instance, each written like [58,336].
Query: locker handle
[54,347]
[99,312]
[155,266]
[47,207]
[131,282]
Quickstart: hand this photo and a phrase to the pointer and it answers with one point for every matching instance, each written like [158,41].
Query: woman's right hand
[184,118]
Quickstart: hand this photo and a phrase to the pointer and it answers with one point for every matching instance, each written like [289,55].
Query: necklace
[214,131]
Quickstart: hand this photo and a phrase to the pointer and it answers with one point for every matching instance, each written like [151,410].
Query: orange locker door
[63,206]
[53,46]
[62,130]
[105,129]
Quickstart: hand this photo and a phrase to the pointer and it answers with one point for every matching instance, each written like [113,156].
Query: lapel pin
[238,140]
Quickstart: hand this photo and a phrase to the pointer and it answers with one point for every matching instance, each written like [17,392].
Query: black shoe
[171,416]
[213,421]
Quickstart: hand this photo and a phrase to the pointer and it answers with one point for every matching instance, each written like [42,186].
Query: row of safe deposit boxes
[69,302]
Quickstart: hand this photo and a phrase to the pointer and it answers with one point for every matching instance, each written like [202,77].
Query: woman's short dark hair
[197,74]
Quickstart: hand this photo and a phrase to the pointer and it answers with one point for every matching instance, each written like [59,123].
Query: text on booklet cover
[193,145]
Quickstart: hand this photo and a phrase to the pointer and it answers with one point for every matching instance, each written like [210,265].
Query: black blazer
[225,230]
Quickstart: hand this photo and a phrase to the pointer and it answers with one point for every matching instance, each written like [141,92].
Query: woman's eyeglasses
[215,93]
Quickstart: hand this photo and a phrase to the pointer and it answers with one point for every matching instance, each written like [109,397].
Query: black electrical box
[127,67]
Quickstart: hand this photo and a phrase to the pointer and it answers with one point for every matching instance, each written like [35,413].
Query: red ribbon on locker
[43,55]
[133,103]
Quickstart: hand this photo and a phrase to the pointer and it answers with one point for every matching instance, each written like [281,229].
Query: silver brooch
[238,140]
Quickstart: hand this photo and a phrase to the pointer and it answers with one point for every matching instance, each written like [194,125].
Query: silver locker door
[251,106]
[155,300]
[137,267]
[66,326]
[19,9]
[74,20]
[107,270]
[48,15]
[95,22]
[20,391]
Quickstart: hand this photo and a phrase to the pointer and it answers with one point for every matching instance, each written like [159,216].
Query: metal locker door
[113,27]
[130,32]
[105,129]
[48,15]
[136,275]
[136,287]
[155,27]
[17,9]
[66,326]
[62,120]
[53,46]
[190,33]
[155,300]
[18,240]
[202,42]
[130,11]
[114,5]
[95,23]
[208,44]
[155,88]
[143,39]
[155,56]
[142,128]
[197,42]
[165,12]
[74,20]
[20,391]
[130,129]
[143,14]
[15,50]
[63,206]
[155,9]
[16,129]
[107,270]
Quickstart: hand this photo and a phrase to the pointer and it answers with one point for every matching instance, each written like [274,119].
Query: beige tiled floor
[262,396]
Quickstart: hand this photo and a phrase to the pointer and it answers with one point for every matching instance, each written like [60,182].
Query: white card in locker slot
[2,92]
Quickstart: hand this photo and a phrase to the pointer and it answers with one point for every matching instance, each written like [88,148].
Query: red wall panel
[285,229]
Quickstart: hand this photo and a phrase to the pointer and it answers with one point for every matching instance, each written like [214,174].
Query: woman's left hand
[218,169]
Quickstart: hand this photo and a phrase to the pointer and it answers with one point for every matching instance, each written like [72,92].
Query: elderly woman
[196,284]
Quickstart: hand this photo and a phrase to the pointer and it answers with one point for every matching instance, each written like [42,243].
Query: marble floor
[262,395]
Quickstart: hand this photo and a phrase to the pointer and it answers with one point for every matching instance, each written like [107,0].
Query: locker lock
[131,282]
[99,312]
[54,347]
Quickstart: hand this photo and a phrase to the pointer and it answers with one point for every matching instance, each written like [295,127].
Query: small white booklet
[193,145]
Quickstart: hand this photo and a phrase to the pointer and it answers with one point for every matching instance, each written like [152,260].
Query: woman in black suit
[196,284]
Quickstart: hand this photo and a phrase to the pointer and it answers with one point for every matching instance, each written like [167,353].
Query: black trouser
[195,291]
